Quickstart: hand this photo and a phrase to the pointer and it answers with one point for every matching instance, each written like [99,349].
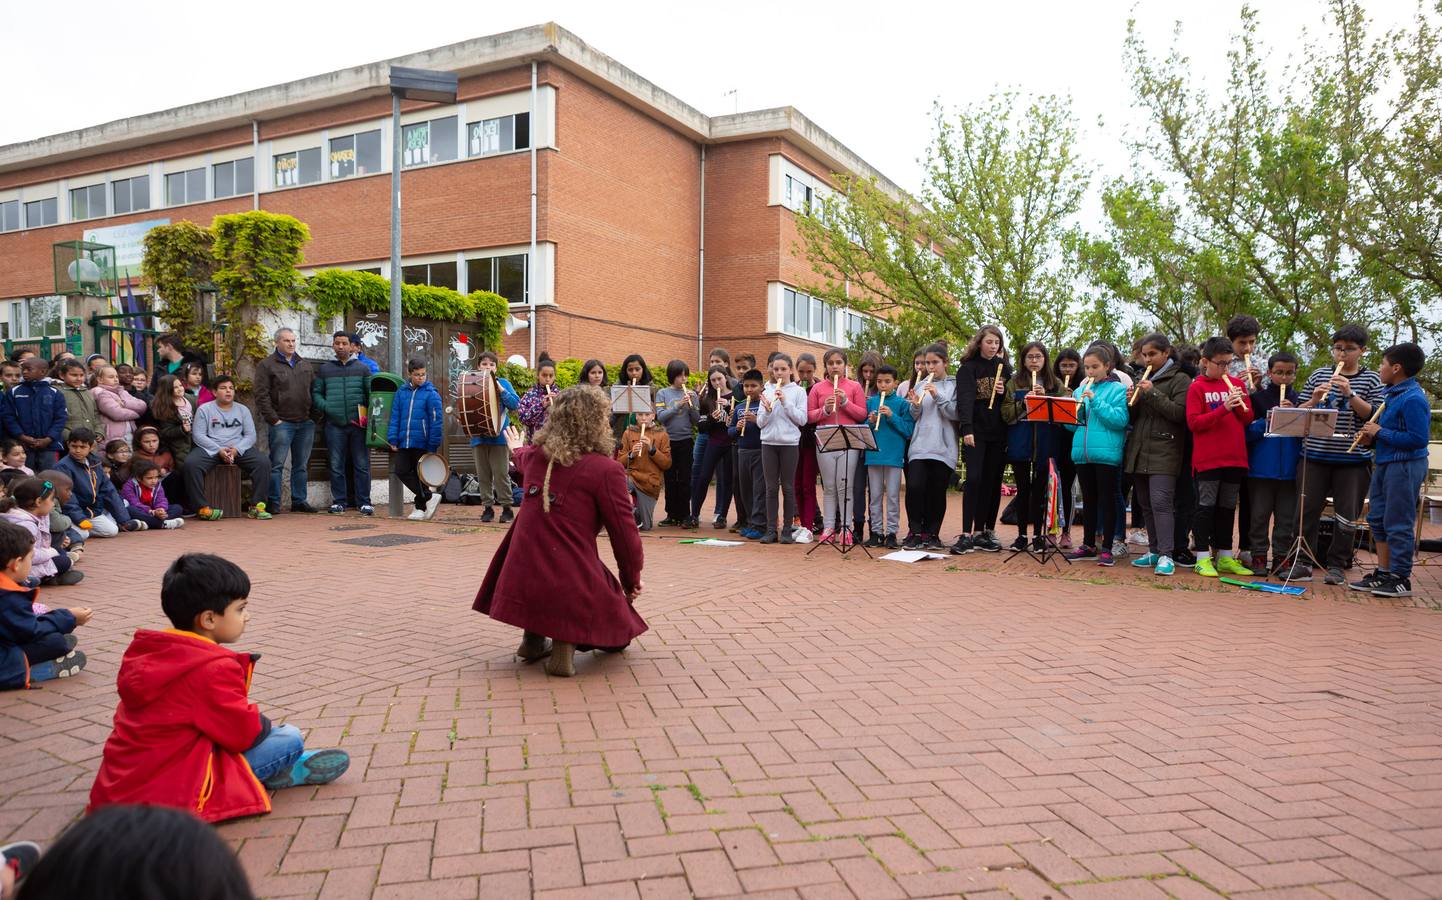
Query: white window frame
[184,176]
[128,184]
[475,151]
[826,323]
[425,156]
[19,214]
[215,194]
[25,223]
[330,164]
[18,314]
[320,171]
[89,192]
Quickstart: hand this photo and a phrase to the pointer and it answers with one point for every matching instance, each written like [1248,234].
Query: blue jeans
[278,752]
[1393,510]
[293,439]
[346,446]
[38,460]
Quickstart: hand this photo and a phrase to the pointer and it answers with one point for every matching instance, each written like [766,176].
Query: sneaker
[1145,561]
[1393,587]
[1105,559]
[846,539]
[964,544]
[987,542]
[875,540]
[432,505]
[488,515]
[1227,565]
[313,767]
[301,506]
[20,857]
[735,529]
[506,515]
[769,537]
[1019,544]
[1368,582]
[932,544]
[336,509]
[826,535]
[911,541]
[1038,544]
[367,510]
[1082,553]
[890,542]
[1334,576]
[1119,548]
[258,512]
[71,664]
[1205,567]
[1164,566]
[171,524]
[213,515]
[1064,542]
[418,514]
[1137,536]
[788,536]
[1294,572]
[719,523]
[1185,557]
[68,577]
[750,534]
[668,522]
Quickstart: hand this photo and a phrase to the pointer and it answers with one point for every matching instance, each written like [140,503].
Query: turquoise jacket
[892,434]
[1102,434]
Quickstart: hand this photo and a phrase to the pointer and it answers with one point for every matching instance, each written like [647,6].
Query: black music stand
[839,439]
[1300,422]
[1054,411]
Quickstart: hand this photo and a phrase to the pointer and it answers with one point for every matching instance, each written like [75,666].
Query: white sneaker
[176,522]
[417,516]
[432,505]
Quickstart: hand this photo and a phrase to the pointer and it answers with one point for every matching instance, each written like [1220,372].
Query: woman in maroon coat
[547,577]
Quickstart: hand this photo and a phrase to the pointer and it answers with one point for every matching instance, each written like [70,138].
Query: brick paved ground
[795,727]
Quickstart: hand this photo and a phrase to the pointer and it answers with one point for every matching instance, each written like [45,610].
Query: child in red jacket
[1217,413]
[186,735]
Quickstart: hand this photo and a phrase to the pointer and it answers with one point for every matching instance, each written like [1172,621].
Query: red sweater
[1219,435]
[849,413]
[182,724]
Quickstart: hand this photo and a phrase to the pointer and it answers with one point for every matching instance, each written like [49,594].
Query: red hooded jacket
[1219,435]
[182,724]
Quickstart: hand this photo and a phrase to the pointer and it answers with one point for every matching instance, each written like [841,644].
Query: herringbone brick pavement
[793,727]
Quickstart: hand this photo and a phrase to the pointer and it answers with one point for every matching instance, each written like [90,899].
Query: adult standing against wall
[170,355]
[282,398]
[341,391]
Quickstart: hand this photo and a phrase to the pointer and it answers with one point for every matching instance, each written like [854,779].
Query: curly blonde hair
[579,424]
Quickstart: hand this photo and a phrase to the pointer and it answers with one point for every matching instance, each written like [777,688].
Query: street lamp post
[406,84]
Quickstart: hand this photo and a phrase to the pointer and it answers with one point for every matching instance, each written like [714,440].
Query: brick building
[657,229]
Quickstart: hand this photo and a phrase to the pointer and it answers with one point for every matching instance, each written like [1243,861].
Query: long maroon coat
[547,575]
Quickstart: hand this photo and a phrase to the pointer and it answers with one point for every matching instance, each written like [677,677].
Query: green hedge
[336,291]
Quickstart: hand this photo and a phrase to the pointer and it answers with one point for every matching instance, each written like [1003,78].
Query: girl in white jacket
[782,413]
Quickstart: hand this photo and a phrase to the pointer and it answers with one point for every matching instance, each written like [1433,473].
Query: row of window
[816,320]
[34,317]
[503,275]
[354,154]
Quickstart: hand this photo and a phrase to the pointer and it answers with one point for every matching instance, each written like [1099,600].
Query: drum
[478,407]
[433,470]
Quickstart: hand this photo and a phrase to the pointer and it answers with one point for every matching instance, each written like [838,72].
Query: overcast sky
[869,77]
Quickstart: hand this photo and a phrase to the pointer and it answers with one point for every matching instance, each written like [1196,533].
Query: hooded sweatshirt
[1219,435]
[781,427]
[183,722]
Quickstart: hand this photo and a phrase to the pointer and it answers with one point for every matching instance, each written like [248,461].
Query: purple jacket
[130,493]
[43,562]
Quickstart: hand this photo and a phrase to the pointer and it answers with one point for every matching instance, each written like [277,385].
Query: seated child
[64,534]
[93,500]
[12,456]
[117,461]
[186,734]
[32,648]
[29,506]
[645,458]
[145,497]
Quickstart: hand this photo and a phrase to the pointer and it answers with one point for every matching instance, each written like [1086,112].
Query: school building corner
[656,228]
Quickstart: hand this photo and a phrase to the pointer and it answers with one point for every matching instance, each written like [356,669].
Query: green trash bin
[378,418]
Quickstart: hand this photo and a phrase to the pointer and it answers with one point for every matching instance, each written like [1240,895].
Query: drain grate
[386,540]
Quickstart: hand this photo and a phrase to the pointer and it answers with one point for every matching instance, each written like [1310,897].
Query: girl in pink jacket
[118,410]
[836,400]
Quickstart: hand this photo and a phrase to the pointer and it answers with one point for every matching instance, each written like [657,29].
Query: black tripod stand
[839,439]
[1050,549]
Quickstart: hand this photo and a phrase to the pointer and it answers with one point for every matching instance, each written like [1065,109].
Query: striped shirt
[1365,384]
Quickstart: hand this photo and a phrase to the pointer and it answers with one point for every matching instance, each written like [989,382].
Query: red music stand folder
[1055,410]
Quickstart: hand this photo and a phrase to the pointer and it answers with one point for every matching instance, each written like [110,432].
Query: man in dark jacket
[170,355]
[282,398]
[341,391]
[33,412]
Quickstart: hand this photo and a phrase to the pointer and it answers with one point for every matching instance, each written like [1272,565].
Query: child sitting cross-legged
[144,497]
[64,532]
[186,734]
[32,648]
[29,506]
[93,500]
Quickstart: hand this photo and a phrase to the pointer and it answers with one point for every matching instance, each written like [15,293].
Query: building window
[504,275]
[37,317]
[500,135]
[816,320]
[39,213]
[433,274]
[131,194]
[297,167]
[10,215]
[355,154]
[797,196]
[429,142]
[87,202]
[185,187]
[234,178]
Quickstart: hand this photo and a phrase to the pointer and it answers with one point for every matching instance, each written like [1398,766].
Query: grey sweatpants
[778,462]
[885,485]
[645,506]
[1157,495]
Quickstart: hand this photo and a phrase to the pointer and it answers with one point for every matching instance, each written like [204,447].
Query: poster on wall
[128,241]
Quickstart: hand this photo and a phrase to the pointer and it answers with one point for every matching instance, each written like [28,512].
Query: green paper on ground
[1266,586]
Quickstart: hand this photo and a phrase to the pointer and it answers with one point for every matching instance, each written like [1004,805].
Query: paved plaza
[794,727]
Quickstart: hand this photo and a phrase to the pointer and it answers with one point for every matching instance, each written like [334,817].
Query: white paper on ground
[911,556]
[714,542]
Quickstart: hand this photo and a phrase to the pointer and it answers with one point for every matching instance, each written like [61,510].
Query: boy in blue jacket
[32,648]
[93,497]
[1399,436]
[415,430]
[34,413]
[1272,468]
[891,422]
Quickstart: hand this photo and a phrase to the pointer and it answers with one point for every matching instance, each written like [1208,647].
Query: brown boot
[561,663]
[533,647]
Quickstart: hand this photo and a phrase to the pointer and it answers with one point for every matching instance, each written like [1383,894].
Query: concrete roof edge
[789,122]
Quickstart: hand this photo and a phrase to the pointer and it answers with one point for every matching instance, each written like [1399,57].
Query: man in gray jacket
[224,434]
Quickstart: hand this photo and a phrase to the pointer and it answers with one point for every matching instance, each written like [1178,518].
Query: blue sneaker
[313,767]
[751,534]
[1165,566]
[1146,562]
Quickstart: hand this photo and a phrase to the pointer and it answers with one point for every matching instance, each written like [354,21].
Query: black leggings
[1066,474]
[926,481]
[406,460]
[678,481]
[982,495]
[1030,494]
[1099,500]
